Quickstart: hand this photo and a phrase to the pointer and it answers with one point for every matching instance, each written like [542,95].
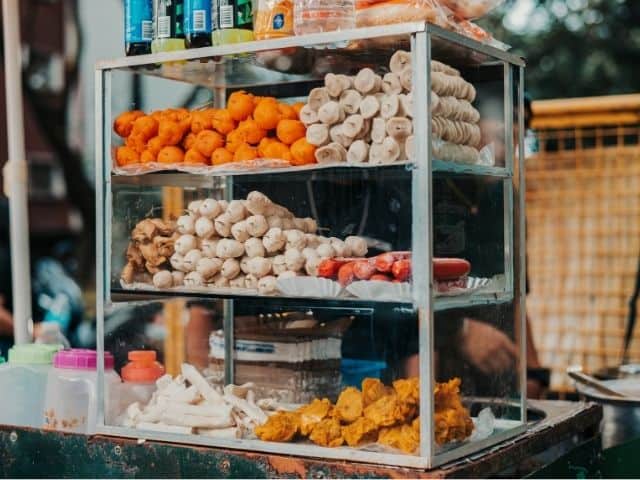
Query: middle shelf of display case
[441,303]
[196,179]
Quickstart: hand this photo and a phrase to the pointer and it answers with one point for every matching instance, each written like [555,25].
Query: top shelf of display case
[304,58]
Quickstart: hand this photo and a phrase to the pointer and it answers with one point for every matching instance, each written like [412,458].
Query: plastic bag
[370,13]
[273,19]
[470,9]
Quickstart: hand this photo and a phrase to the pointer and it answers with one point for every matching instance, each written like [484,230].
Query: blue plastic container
[354,371]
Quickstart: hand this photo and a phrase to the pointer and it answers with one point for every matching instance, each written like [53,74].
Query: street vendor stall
[330,213]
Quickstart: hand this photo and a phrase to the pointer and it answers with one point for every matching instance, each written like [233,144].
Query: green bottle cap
[33,353]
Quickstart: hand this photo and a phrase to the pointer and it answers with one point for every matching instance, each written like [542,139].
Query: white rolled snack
[325,250]
[194,377]
[275,221]
[186,224]
[357,245]
[208,267]
[177,261]
[391,106]
[384,153]
[350,101]
[230,268]
[308,115]
[287,274]
[358,152]
[228,248]
[318,134]
[204,228]
[193,279]
[236,211]
[274,240]
[244,264]
[257,225]
[191,259]
[317,98]
[391,83]
[340,247]
[177,278]
[223,225]
[310,225]
[399,128]
[366,81]
[330,113]
[311,266]
[295,239]
[257,203]
[210,208]
[399,61]
[369,106]
[331,153]
[184,244]
[278,264]
[406,102]
[336,84]
[294,259]
[254,247]
[452,86]
[194,207]
[251,281]
[240,232]
[378,130]
[268,285]
[337,135]
[163,279]
[208,247]
[238,281]
[259,267]
[220,281]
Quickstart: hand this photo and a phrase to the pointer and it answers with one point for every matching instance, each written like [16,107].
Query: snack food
[273,19]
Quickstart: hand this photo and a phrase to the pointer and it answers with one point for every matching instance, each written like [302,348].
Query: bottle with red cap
[139,378]
[71,402]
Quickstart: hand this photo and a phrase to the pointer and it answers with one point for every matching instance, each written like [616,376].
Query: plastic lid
[142,367]
[80,359]
[33,353]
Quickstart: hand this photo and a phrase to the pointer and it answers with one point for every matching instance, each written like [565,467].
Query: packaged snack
[273,19]
[469,9]
[370,13]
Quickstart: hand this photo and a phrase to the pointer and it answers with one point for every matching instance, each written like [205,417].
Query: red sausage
[384,262]
[401,270]
[345,274]
[450,268]
[363,269]
[380,277]
[329,267]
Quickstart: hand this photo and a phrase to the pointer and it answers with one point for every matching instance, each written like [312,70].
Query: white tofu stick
[204,410]
[232,432]
[255,413]
[194,378]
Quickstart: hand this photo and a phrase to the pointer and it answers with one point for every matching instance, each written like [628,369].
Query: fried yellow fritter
[312,413]
[327,433]
[280,427]
[361,431]
[349,405]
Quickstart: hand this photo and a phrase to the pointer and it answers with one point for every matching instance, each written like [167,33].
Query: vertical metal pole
[422,233]
[219,101]
[507,184]
[522,245]
[101,286]
[16,175]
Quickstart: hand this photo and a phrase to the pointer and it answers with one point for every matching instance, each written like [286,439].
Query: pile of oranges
[250,127]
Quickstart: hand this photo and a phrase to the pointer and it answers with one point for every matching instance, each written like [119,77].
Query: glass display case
[346,279]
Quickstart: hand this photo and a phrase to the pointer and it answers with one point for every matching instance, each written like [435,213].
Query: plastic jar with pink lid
[139,379]
[71,402]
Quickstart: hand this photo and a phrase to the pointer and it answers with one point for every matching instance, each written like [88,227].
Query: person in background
[6,317]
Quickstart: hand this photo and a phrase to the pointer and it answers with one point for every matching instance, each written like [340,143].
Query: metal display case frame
[220,77]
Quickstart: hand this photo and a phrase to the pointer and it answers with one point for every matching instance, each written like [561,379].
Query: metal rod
[16,176]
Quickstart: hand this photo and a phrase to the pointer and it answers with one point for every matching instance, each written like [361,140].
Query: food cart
[300,319]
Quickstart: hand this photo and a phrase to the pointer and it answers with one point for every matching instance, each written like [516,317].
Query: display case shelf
[441,166]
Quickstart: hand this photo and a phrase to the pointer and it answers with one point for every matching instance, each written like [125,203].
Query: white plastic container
[315,16]
[23,381]
[71,403]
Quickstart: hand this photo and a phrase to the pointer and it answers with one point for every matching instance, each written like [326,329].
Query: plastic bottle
[232,21]
[138,26]
[139,377]
[197,23]
[168,26]
[71,402]
[23,381]
[314,16]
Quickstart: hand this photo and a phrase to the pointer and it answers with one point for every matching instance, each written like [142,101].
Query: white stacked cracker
[248,244]
[367,118]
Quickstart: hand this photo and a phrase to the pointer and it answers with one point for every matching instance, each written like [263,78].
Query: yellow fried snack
[327,433]
[416,424]
[408,390]
[361,431]
[280,427]
[349,405]
[312,413]
[372,390]
[402,437]
[451,418]
[383,412]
